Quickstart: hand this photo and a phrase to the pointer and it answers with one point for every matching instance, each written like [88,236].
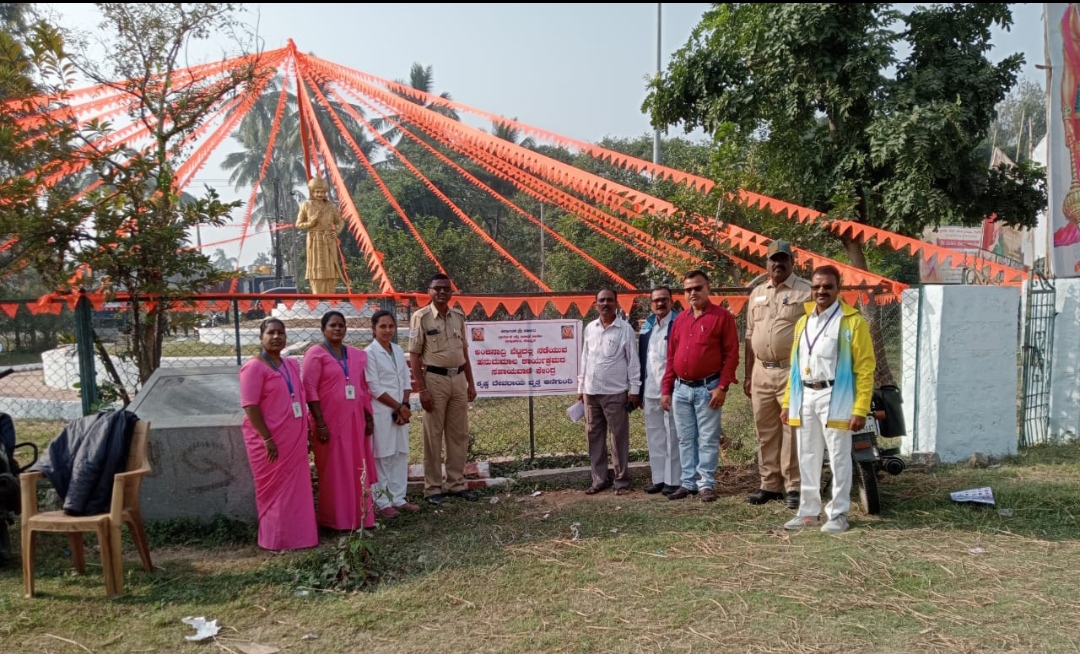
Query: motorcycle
[885,420]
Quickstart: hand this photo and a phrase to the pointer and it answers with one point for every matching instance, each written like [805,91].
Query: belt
[695,383]
[448,372]
[818,385]
[774,364]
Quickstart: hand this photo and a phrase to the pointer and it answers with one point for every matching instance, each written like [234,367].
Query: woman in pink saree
[337,394]
[276,437]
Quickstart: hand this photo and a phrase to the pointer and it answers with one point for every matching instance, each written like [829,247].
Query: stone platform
[200,466]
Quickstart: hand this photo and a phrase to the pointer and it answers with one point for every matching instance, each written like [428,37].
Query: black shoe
[467,495]
[668,490]
[792,500]
[762,496]
[436,499]
[655,488]
[681,492]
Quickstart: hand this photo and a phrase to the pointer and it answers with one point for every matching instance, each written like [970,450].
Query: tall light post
[656,134]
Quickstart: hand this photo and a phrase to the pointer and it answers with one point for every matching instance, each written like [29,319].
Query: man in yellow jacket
[830,386]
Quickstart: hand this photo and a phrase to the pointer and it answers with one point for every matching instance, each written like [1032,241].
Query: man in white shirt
[659,424]
[609,384]
[830,385]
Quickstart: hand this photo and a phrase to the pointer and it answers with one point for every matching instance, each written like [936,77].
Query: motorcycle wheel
[866,478]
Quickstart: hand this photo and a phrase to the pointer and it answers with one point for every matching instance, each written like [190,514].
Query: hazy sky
[573,69]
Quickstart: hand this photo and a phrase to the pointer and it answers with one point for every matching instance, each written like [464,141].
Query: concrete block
[579,477]
[200,465]
[964,382]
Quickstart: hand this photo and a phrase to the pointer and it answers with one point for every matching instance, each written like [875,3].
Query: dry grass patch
[563,572]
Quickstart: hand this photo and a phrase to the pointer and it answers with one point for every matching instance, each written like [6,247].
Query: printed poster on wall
[530,357]
[1063,142]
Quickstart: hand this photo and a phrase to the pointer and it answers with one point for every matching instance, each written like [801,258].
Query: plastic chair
[124,508]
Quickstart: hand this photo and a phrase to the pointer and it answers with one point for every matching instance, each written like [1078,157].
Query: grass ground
[562,572]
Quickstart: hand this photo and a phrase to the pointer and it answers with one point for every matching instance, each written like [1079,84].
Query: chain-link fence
[39,368]
[225,332]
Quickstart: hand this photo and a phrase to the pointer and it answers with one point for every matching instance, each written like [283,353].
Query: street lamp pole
[656,134]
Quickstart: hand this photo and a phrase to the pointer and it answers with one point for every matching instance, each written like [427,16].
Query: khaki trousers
[449,419]
[603,413]
[778,452]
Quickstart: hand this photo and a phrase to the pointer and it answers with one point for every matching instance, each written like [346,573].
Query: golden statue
[321,218]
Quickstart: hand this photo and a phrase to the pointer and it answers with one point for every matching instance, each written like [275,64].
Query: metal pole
[918,373]
[84,337]
[541,241]
[656,133]
[532,433]
[236,327]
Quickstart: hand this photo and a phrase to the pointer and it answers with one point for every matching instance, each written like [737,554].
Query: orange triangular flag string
[736,303]
[10,308]
[490,305]
[562,304]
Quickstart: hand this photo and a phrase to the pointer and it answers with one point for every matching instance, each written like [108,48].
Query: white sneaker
[798,523]
[837,525]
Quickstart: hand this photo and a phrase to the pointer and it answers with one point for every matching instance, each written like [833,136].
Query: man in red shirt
[703,355]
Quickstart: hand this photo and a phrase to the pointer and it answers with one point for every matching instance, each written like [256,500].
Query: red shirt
[702,347]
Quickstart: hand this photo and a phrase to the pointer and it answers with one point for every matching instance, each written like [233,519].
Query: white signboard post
[524,357]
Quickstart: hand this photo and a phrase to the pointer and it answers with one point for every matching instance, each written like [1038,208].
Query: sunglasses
[823,287]
[660,300]
[694,289]
[440,289]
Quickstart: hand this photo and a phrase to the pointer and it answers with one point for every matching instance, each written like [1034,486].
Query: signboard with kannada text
[527,357]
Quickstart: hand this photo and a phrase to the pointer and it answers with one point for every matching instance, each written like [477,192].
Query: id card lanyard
[283,370]
[350,390]
[810,343]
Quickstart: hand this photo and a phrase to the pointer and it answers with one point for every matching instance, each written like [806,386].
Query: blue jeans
[698,427]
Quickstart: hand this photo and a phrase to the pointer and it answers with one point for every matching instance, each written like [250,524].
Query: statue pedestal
[200,465]
[300,310]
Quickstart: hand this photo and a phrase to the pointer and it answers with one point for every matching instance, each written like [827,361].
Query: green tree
[222,261]
[137,241]
[838,121]
[1020,122]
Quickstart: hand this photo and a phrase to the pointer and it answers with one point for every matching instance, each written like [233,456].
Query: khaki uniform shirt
[773,312]
[439,341]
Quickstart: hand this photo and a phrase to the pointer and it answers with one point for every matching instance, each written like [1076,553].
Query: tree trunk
[147,339]
[883,375]
[106,360]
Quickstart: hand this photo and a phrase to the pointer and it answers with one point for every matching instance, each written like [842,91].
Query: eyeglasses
[823,287]
[440,289]
[694,289]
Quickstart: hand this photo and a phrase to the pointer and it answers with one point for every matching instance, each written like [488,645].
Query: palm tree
[512,134]
[421,79]
[223,261]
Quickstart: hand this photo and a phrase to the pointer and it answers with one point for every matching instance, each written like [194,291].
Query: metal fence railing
[45,389]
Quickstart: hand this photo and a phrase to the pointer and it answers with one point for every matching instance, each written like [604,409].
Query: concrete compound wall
[1065,370]
[961,398]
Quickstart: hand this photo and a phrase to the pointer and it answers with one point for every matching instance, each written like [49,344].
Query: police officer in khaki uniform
[439,357]
[775,306]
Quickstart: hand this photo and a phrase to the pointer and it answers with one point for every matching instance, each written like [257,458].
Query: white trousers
[813,437]
[393,481]
[663,443]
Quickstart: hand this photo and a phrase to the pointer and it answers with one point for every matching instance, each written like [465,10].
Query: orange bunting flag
[736,303]
[536,305]
[10,308]
[626,302]
[490,305]
[562,304]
